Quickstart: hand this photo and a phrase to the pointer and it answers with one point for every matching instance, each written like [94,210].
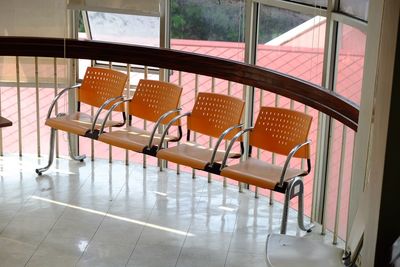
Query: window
[350,62]
[122,28]
[317,3]
[356,8]
[291,43]
[208,27]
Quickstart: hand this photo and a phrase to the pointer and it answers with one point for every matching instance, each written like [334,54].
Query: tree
[223,20]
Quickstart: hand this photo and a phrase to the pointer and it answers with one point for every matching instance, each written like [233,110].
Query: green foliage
[223,20]
[274,22]
[207,20]
[81,27]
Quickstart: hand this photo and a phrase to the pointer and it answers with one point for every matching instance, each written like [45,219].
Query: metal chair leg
[285,211]
[71,153]
[300,211]
[40,171]
[295,188]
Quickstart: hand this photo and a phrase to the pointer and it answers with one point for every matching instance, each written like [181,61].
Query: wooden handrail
[309,94]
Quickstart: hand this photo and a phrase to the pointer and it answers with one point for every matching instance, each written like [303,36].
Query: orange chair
[280,131]
[154,101]
[100,88]
[214,115]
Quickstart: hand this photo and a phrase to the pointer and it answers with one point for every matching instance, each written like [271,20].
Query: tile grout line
[52,227]
[101,222]
[20,208]
[141,231]
[233,231]
[56,221]
[17,212]
[184,241]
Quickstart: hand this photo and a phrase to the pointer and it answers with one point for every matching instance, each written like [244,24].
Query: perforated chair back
[279,130]
[99,84]
[213,113]
[153,98]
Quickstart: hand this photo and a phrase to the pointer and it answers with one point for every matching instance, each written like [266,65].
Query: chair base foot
[308,228]
[80,158]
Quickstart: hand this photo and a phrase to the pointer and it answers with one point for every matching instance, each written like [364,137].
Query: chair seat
[192,154]
[132,138]
[77,123]
[259,173]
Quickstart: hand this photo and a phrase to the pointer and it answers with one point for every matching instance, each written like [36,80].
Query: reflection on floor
[101,214]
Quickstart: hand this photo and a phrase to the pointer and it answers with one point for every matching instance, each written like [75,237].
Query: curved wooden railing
[309,94]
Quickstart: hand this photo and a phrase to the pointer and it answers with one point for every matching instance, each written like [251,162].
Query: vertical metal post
[340,184]
[196,89]
[110,129]
[91,140]
[302,160]
[128,95]
[272,193]
[145,74]
[226,143]
[72,74]
[165,40]
[251,35]
[1,131]
[259,150]
[324,126]
[324,122]
[178,167]
[92,63]
[327,180]
[210,141]
[56,106]
[37,106]
[19,109]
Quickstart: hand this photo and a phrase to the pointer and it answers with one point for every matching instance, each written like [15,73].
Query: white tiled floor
[101,214]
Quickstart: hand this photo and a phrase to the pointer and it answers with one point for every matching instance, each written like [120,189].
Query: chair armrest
[289,157]
[169,126]
[53,103]
[108,115]
[220,138]
[106,103]
[158,122]
[239,134]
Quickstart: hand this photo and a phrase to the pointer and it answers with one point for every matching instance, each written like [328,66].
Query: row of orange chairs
[276,130]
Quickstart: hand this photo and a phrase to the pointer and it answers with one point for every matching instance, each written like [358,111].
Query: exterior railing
[206,73]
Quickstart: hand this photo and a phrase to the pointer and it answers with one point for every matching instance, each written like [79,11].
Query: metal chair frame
[291,188]
[150,149]
[91,133]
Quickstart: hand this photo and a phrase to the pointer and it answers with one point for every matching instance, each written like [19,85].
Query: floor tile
[14,253]
[94,213]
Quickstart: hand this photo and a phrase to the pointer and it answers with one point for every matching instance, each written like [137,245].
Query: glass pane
[291,43]
[356,8]
[351,47]
[208,27]
[317,3]
[137,7]
[122,28]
